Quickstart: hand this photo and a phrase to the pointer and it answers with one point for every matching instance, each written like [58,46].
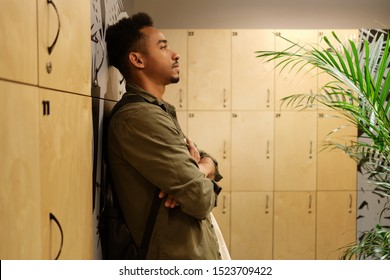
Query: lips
[176,66]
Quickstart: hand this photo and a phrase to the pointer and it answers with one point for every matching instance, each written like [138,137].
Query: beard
[174,79]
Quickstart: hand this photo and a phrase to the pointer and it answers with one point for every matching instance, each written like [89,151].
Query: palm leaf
[374,244]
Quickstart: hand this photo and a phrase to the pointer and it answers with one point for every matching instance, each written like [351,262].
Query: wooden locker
[20,194]
[336,223]
[64,45]
[66,175]
[295,150]
[252,150]
[294,225]
[300,79]
[252,225]
[18,47]
[252,79]
[209,69]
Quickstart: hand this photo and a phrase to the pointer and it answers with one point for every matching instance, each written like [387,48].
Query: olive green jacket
[146,148]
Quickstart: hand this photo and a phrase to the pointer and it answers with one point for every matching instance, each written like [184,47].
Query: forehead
[153,36]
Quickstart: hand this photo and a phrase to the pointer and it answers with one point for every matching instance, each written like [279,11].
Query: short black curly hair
[124,37]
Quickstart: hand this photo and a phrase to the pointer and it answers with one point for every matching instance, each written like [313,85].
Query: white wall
[308,14]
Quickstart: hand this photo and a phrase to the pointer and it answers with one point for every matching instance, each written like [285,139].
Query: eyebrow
[162,41]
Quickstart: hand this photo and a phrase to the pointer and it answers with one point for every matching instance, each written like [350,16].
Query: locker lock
[49,67]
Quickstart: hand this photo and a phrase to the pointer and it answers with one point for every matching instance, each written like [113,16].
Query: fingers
[207,167]
[193,150]
[161,194]
[169,202]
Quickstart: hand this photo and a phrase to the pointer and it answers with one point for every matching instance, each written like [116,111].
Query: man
[147,149]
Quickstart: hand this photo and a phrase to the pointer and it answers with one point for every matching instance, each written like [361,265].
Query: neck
[155,89]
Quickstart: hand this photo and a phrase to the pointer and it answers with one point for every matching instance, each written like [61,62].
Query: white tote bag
[221,241]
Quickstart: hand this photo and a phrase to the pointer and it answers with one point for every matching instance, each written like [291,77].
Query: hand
[169,202]
[193,150]
[206,164]
[207,167]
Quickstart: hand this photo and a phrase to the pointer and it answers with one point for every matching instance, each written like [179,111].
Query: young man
[147,149]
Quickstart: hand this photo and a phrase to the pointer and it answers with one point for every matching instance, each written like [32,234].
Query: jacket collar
[135,89]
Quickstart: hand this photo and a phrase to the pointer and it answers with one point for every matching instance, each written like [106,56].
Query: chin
[175,80]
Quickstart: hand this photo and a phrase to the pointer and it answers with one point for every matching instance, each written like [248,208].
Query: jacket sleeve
[172,112]
[218,175]
[154,146]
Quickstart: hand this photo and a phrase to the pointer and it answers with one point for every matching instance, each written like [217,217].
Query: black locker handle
[53,218]
[51,47]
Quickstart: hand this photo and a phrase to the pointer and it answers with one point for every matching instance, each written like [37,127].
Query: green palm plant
[359,89]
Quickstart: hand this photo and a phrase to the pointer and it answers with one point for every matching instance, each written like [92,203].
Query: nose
[175,56]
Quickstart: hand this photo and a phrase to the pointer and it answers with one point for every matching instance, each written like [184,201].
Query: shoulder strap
[125,99]
[143,250]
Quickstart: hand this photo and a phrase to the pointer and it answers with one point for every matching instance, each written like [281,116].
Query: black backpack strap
[143,249]
[126,99]
[109,196]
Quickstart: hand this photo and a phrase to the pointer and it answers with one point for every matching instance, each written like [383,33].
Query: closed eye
[163,44]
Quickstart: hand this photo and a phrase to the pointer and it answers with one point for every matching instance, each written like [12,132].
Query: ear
[136,59]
